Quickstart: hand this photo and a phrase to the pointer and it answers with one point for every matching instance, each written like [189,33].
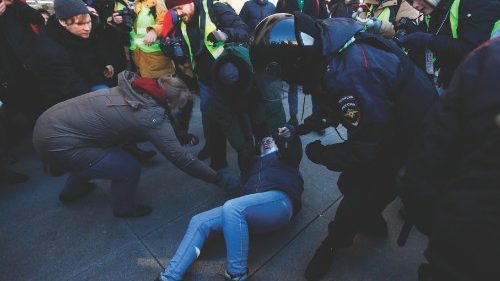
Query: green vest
[143,21]
[454,20]
[496,29]
[215,49]
[385,15]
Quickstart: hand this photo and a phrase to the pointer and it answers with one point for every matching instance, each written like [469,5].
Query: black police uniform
[380,96]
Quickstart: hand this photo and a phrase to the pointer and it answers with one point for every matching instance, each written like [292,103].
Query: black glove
[187,139]
[229,183]
[415,41]
[314,152]
[311,123]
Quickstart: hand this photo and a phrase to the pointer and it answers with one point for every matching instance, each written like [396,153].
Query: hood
[261,2]
[132,97]
[336,32]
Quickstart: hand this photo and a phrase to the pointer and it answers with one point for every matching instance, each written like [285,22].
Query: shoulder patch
[348,107]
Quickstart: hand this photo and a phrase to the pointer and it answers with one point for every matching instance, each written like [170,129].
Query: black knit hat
[66,9]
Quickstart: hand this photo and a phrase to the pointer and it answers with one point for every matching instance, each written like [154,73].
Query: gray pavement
[43,239]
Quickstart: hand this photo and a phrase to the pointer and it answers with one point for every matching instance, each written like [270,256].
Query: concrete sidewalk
[43,239]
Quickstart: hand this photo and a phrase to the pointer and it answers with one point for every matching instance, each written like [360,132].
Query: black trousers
[367,191]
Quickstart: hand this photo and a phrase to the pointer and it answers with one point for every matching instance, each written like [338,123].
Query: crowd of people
[414,82]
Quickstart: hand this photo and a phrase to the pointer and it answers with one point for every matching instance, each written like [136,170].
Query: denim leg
[293,100]
[188,251]
[260,212]
[123,170]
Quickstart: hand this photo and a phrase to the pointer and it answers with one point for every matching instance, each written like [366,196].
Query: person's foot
[375,226]
[218,165]
[321,262]
[204,153]
[77,192]
[139,154]
[137,211]
[241,277]
[10,177]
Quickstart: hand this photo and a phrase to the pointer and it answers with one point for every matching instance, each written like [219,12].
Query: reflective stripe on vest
[454,18]
[215,49]
[496,29]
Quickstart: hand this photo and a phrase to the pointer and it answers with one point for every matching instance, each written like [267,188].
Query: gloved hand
[217,36]
[286,132]
[229,183]
[374,25]
[311,123]
[187,138]
[414,41]
[314,152]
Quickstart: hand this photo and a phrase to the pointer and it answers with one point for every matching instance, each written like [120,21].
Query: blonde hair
[176,91]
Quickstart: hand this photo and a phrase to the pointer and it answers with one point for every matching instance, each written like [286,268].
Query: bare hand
[117,19]
[2,8]
[284,132]
[150,38]
[109,71]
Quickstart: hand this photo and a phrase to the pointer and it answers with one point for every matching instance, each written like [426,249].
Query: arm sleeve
[244,12]
[164,139]
[158,26]
[230,23]
[292,154]
[364,109]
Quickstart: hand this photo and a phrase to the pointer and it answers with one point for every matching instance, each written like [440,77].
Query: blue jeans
[121,168]
[259,213]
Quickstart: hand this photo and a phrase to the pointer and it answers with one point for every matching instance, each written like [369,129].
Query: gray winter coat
[77,133]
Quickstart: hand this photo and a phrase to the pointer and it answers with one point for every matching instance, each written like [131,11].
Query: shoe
[229,277]
[218,166]
[75,193]
[204,153]
[321,261]
[10,177]
[139,154]
[137,211]
[375,226]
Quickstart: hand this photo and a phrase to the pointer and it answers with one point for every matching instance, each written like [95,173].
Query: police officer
[205,26]
[451,30]
[370,87]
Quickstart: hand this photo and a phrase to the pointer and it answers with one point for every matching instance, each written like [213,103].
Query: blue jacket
[278,171]
[254,11]
[373,90]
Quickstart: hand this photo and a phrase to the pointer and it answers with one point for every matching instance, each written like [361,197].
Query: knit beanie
[65,9]
[433,3]
[175,3]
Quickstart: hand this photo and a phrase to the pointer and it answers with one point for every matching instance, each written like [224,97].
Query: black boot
[76,192]
[321,261]
[10,177]
[139,154]
[375,226]
[135,212]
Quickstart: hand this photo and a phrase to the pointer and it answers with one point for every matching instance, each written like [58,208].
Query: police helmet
[278,47]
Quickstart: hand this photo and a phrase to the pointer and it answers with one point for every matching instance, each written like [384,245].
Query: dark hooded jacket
[254,11]
[451,189]
[67,65]
[373,90]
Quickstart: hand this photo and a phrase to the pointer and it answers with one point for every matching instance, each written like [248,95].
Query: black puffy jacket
[254,11]
[68,66]
[451,189]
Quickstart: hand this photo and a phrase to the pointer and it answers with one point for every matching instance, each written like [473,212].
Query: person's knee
[199,222]
[132,169]
[231,209]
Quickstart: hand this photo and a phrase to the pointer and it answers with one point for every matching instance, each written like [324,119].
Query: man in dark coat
[254,11]
[16,48]
[454,29]
[205,26]
[370,87]
[71,60]
[451,190]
